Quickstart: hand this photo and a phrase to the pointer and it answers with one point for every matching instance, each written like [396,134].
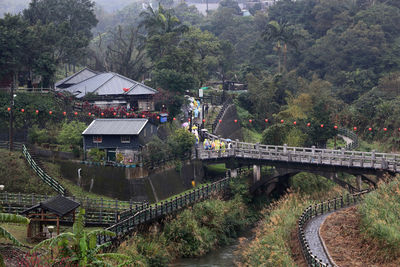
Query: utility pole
[11,133]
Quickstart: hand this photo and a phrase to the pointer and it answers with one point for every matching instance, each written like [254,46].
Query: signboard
[200,92]
[163,119]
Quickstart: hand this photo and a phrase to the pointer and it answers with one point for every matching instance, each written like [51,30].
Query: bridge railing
[319,209]
[150,213]
[386,161]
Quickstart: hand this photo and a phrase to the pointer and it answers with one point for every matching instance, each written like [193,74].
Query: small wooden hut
[56,209]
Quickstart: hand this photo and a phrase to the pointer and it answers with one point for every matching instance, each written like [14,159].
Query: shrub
[97,155]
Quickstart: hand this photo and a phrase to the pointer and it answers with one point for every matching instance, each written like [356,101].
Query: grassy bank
[17,176]
[193,232]
[380,213]
[272,244]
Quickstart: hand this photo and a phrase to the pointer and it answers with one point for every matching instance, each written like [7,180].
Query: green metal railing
[319,209]
[44,176]
[125,226]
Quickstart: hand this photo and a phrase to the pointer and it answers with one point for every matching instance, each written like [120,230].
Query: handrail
[43,175]
[352,136]
[226,104]
[317,156]
[127,224]
[319,209]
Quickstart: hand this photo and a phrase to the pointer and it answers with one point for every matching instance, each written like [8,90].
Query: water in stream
[220,257]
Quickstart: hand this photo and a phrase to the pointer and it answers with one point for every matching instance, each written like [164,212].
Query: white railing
[384,161]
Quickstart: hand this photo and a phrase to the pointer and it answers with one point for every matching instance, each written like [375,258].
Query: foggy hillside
[15,6]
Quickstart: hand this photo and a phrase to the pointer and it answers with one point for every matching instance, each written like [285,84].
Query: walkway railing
[319,209]
[126,226]
[226,104]
[344,158]
[352,136]
[98,211]
[44,176]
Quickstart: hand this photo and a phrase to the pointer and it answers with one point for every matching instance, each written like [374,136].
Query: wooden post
[58,225]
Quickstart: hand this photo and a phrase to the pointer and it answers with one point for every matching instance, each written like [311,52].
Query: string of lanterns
[102,114]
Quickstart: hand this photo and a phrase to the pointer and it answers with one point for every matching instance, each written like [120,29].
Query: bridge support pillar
[234,173]
[359,182]
[256,173]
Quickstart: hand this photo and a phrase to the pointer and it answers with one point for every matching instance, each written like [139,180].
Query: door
[110,155]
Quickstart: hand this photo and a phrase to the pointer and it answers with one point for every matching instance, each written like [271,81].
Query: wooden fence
[128,223]
[6,145]
[98,211]
[319,209]
[44,176]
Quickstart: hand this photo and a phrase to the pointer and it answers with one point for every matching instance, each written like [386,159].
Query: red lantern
[90,114]
[335,127]
[322,126]
[355,128]
[102,114]
[158,117]
[294,122]
[369,129]
[188,119]
[250,120]
[266,120]
[308,124]
[145,116]
[22,110]
[174,119]
[8,109]
[115,113]
[385,129]
[399,129]
[282,121]
[75,113]
[219,121]
[37,111]
[65,113]
[126,89]
[235,121]
[50,112]
[204,120]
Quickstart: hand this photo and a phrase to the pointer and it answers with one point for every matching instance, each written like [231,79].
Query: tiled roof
[58,205]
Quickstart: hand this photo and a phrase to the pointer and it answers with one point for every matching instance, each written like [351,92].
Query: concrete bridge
[288,161]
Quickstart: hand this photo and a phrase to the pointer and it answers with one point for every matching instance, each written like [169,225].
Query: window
[125,139]
[97,139]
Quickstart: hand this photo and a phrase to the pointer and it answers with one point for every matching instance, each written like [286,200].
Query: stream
[219,257]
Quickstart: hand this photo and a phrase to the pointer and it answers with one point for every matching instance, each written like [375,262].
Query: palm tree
[10,218]
[283,34]
[161,21]
[81,247]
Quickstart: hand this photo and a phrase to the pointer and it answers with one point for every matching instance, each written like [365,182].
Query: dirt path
[342,236]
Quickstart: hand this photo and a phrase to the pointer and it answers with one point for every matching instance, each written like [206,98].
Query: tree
[81,246]
[181,143]
[71,133]
[126,53]
[283,34]
[10,218]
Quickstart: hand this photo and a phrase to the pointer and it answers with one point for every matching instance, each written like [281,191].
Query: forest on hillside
[319,61]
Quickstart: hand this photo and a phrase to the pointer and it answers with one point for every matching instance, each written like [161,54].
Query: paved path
[311,233]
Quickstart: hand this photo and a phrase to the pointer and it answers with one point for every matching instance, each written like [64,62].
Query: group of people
[216,145]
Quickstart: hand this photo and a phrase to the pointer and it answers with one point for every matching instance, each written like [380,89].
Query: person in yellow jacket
[217,145]
[223,148]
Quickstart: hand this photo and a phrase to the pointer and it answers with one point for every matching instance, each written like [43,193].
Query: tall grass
[380,219]
[270,247]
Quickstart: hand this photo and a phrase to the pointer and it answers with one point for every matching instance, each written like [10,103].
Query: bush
[97,155]
[180,144]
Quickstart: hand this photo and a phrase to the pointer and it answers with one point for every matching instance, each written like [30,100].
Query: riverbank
[275,242]
[196,231]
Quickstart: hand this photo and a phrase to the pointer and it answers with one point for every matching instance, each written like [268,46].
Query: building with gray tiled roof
[108,89]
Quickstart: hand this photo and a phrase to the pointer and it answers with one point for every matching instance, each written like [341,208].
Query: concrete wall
[134,183]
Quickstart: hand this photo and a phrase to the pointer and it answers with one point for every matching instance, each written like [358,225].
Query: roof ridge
[76,73]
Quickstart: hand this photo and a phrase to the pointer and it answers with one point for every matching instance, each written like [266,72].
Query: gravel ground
[311,233]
